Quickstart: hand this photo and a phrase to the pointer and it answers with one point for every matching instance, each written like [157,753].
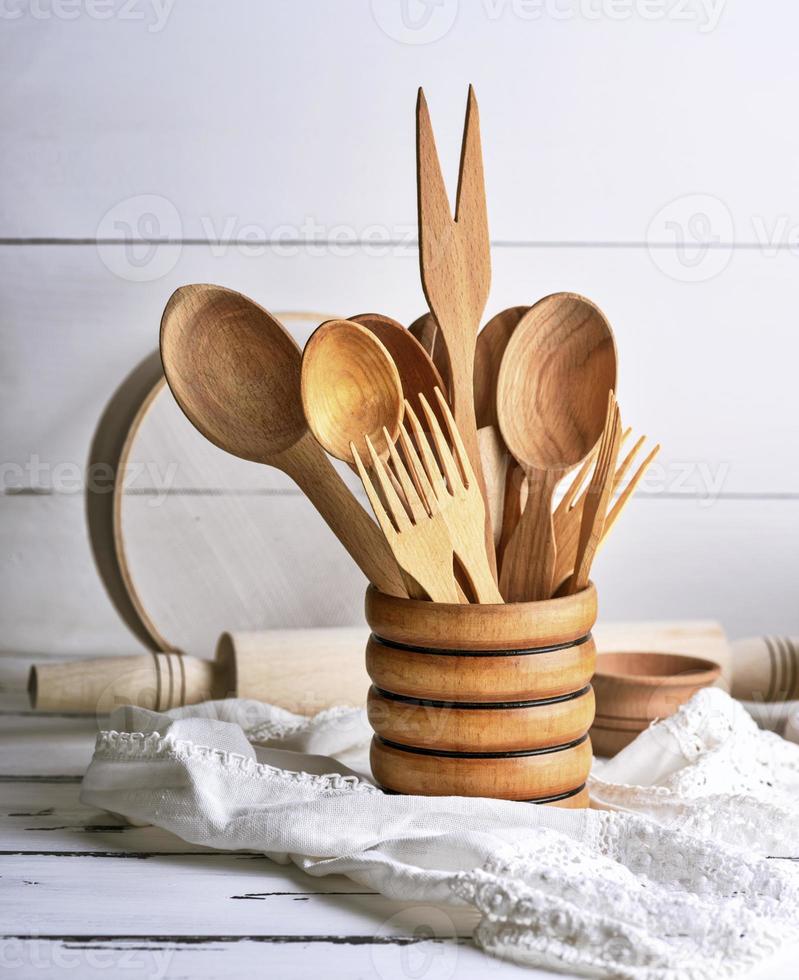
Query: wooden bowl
[482,700]
[634,689]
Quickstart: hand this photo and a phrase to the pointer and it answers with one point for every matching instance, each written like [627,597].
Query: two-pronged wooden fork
[430,507]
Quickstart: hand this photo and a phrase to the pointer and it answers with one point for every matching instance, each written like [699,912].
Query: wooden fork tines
[417,536]
[596,500]
[447,482]
[569,512]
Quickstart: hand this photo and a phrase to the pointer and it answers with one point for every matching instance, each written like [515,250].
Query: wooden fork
[454,493]
[596,500]
[455,265]
[568,514]
[417,534]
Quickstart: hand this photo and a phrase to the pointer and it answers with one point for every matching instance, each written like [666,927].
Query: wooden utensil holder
[482,700]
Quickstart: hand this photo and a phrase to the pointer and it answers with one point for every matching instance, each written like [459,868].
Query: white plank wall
[640,153]
[640,159]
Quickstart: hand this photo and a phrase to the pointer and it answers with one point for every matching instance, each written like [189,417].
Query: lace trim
[674,906]
[121,746]
[278,728]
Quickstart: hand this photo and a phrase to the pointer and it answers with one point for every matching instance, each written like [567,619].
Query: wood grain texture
[595,509]
[442,677]
[417,372]
[235,371]
[485,627]
[495,471]
[522,777]
[543,185]
[418,538]
[351,389]
[490,347]
[552,392]
[567,515]
[765,668]
[461,746]
[303,671]
[223,894]
[497,467]
[425,330]
[634,688]
[109,451]
[50,404]
[441,470]
[457,728]
[455,264]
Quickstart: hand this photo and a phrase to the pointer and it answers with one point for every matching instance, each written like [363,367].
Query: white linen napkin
[681,888]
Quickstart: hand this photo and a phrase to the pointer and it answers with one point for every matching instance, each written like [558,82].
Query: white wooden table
[82,894]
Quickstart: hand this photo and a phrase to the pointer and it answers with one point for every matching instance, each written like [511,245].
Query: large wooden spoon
[552,397]
[235,372]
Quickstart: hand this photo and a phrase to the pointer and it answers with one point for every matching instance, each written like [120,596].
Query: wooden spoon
[418,374]
[352,396]
[504,480]
[425,330]
[351,390]
[552,396]
[235,372]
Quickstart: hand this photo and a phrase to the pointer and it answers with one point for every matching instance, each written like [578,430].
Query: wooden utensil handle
[466,420]
[529,562]
[309,467]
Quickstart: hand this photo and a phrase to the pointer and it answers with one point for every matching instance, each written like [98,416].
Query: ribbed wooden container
[482,700]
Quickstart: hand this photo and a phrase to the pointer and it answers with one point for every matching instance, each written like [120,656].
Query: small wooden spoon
[425,330]
[552,396]
[504,481]
[235,372]
[418,374]
[351,390]
[491,343]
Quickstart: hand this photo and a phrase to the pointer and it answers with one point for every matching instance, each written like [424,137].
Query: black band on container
[536,799]
[525,652]
[448,754]
[430,703]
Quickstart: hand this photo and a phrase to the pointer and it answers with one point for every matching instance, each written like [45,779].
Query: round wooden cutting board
[193,542]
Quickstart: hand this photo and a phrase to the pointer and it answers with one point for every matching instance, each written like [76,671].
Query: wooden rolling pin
[765,669]
[303,671]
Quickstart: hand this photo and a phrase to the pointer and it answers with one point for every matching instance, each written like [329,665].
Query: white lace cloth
[676,883]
